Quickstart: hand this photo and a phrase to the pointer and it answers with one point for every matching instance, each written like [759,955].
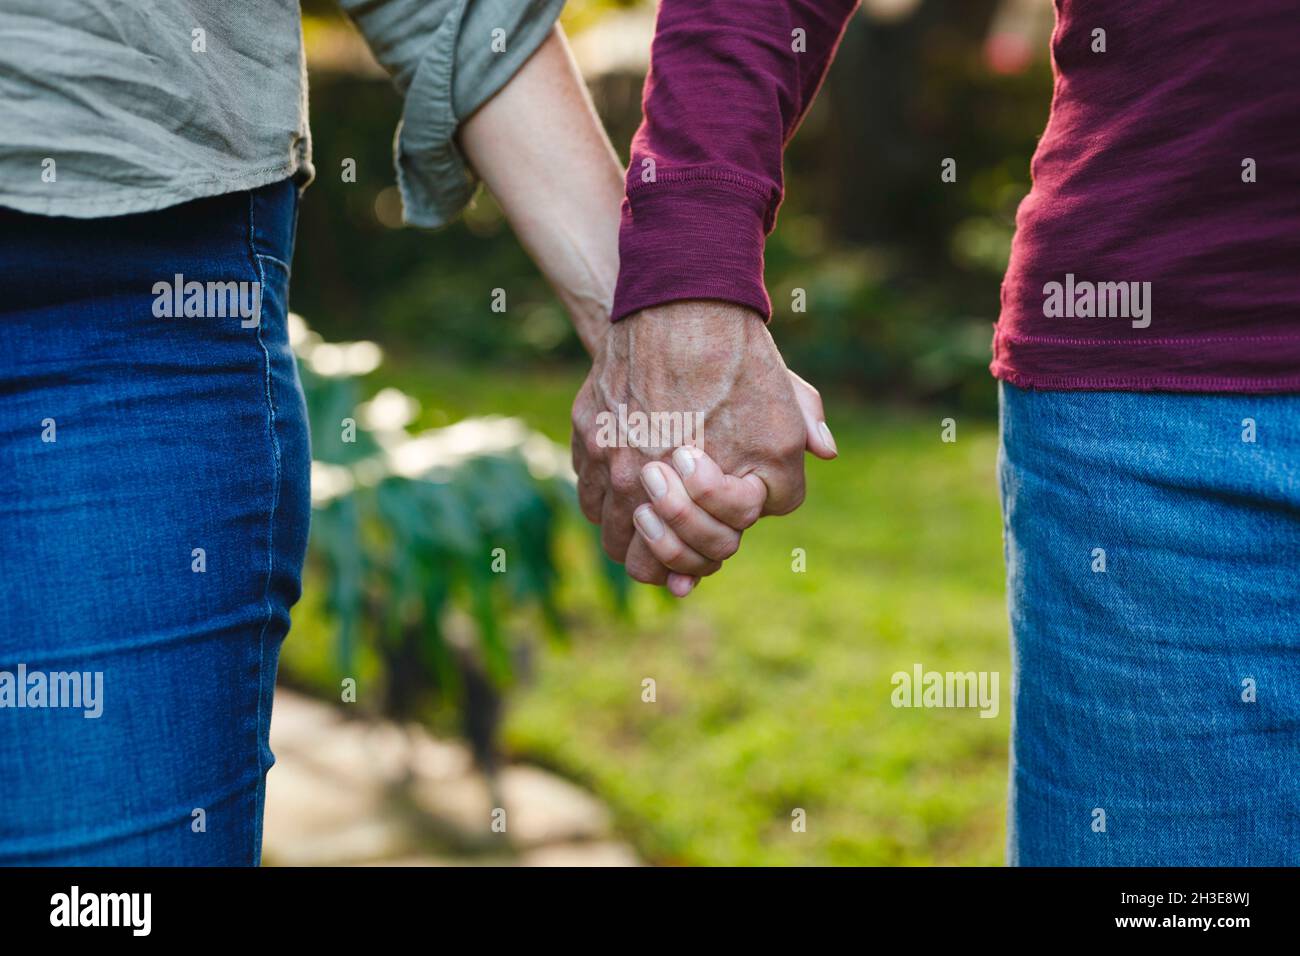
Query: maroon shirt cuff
[693,234]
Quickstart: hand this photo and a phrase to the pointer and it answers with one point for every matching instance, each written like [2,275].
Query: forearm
[539,147]
[729,82]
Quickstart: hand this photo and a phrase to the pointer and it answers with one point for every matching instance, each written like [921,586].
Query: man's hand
[671,363]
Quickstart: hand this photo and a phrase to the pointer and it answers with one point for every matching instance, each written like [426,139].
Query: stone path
[362,792]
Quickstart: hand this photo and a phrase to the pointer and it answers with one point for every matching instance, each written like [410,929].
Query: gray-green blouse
[118,106]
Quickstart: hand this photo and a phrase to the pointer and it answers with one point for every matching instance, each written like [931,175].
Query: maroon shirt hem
[1260,364]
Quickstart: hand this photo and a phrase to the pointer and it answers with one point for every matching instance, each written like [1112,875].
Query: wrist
[698,329]
[590,320]
[693,350]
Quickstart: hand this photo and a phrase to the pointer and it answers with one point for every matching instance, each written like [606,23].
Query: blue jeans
[154,507]
[1153,580]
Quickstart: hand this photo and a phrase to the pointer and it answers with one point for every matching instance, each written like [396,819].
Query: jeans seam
[259,802]
[268,258]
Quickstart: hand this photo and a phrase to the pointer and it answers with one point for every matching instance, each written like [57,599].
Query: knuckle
[591,445]
[790,501]
[646,571]
[579,422]
[624,477]
[640,573]
[590,499]
[705,493]
[790,447]
[726,547]
[749,515]
[670,553]
[674,510]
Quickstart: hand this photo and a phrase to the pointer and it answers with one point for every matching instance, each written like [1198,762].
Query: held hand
[694,504]
[706,366]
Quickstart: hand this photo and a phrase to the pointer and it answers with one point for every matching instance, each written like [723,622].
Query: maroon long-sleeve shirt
[1158,249]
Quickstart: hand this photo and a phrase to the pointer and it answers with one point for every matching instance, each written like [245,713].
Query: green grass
[773,687]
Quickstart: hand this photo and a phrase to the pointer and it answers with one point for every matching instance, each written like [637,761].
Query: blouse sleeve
[447,58]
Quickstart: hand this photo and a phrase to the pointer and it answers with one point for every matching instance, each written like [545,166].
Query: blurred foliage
[409,528]
[901,270]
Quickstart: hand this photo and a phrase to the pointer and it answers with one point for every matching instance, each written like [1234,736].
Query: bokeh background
[463,649]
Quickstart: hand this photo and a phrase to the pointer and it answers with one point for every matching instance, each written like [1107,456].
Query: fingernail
[654,481]
[648,522]
[684,462]
[829,439]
